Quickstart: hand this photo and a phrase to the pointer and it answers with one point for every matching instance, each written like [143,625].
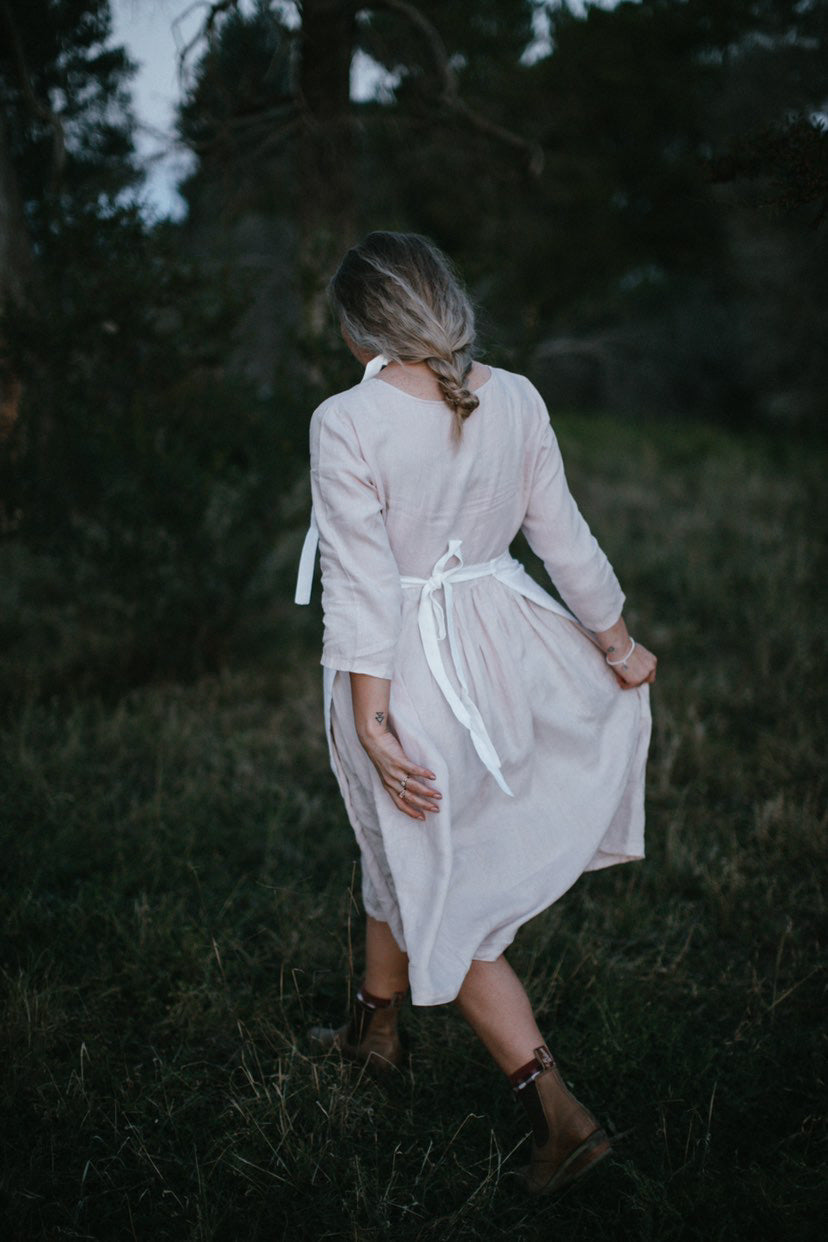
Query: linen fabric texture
[391,489]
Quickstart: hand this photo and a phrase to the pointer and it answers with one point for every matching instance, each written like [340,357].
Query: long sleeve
[361,591]
[559,535]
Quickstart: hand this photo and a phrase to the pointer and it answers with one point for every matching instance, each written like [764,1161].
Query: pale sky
[145,29]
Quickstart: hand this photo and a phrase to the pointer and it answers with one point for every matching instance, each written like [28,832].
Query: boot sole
[578,1163]
[325,1039]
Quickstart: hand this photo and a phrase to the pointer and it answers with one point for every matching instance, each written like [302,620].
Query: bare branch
[449,90]
[432,36]
[248,124]
[450,94]
[275,139]
[264,116]
[477,120]
[36,106]
[205,31]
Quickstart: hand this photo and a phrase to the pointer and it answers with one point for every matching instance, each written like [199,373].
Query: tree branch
[450,94]
[245,127]
[449,89]
[275,139]
[432,36]
[214,11]
[477,120]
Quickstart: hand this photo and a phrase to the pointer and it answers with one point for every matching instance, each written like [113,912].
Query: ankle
[372,1001]
[529,1071]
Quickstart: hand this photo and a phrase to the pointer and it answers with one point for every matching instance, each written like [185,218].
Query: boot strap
[363,1014]
[544,1060]
[544,1057]
[393,1002]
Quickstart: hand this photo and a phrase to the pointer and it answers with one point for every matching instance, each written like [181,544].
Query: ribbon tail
[304,577]
[483,744]
[498,775]
[485,747]
[462,707]
[428,635]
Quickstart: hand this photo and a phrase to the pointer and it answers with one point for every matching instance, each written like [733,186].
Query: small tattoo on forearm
[379,717]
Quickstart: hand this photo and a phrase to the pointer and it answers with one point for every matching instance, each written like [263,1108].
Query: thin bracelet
[623,661]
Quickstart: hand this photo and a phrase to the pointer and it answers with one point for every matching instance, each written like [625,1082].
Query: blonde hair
[396,294]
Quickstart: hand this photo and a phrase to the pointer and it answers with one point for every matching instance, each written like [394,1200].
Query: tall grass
[181,903]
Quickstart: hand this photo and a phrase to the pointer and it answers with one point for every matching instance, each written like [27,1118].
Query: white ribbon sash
[436,623]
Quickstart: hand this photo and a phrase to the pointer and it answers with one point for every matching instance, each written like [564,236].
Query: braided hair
[396,294]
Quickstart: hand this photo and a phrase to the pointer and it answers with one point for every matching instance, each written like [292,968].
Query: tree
[579,190]
[304,93]
[65,141]
[137,462]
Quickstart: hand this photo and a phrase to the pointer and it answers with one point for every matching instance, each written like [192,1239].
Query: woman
[489,746]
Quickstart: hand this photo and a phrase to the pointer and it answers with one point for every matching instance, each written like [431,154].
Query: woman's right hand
[402,780]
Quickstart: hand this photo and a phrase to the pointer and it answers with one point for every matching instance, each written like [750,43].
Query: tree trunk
[15,277]
[326,158]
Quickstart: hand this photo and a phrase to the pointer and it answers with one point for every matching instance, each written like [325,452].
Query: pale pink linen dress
[390,490]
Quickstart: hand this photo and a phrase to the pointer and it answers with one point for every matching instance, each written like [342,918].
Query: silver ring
[403,783]
[401,795]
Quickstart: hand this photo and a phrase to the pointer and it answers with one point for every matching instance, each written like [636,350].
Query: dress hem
[503,945]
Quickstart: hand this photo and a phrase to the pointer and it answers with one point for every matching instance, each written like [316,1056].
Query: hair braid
[452,374]
[398,295]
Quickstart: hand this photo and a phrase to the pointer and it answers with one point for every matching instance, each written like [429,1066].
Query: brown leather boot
[370,1035]
[567,1140]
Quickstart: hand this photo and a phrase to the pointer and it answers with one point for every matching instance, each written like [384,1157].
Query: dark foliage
[136,458]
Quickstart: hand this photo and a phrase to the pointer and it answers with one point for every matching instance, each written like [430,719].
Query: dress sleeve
[361,591]
[559,535]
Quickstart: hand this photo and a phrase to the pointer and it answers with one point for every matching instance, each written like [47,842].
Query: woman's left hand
[402,779]
[640,669]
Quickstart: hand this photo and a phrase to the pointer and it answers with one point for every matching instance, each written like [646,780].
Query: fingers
[641,671]
[411,769]
[648,679]
[413,777]
[414,796]
[405,785]
[413,804]
[402,805]
[421,791]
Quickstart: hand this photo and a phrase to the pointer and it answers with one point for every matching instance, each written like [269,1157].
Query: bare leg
[567,1141]
[494,1003]
[386,966]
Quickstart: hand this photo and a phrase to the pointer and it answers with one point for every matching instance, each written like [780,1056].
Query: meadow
[181,901]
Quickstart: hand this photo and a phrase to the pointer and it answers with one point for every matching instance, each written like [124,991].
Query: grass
[180,903]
